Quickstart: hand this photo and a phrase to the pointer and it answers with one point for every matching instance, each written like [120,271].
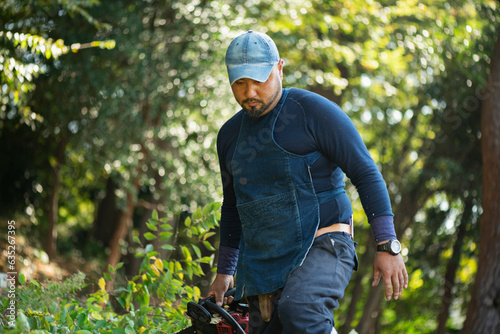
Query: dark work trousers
[306,302]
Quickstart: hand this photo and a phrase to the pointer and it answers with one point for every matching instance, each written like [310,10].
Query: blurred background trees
[110,110]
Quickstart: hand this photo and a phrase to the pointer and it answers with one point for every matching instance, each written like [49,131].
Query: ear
[280,64]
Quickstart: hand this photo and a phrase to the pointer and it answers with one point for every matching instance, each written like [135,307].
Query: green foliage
[36,295]
[154,301]
[141,113]
[22,40]
[196,231]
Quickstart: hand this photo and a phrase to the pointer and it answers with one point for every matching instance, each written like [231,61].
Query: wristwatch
[392,246]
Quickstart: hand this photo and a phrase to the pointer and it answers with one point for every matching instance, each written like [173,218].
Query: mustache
[252,100]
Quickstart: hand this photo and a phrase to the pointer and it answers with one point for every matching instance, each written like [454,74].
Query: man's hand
[392,269]
[219,287]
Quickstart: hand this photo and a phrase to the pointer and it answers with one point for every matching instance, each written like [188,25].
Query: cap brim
[255,72]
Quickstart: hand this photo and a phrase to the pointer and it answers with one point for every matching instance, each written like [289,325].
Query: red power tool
[209,318]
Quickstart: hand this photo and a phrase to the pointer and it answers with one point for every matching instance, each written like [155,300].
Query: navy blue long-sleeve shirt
[309,122]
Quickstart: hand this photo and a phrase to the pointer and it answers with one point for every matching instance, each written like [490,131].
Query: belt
[339,227]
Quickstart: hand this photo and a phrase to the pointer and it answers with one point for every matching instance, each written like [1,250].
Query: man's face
[258,98]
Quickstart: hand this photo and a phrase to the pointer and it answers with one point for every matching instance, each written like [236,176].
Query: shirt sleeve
[383,228]
[228,259]
[339,140]
[230,224]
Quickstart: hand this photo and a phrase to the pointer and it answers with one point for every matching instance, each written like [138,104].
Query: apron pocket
[271,228]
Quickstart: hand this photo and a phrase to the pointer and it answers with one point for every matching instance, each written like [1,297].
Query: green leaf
[196,215]
[22,322]
[208,246]
[151,227]
[166,227]
[81,318]
[149,236]
[151,254]
[165,235]
[186,253]
[148,248]
[144,297]
[205,259]
[61,315]
[189,270]
[69,321]
[206,209]
[100,324]
[96,316]
[208,235]
[187,222]
[196,250]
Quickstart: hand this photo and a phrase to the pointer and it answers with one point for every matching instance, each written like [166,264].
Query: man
[286,222]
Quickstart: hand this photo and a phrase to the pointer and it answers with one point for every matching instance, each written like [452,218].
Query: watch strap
[386,247]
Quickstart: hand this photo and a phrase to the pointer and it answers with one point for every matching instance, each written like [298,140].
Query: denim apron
[277,205]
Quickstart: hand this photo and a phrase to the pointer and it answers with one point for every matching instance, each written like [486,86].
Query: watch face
[395,246]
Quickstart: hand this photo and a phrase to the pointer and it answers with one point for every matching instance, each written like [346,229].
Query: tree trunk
[368,322]
[371,310]
[452,267]
[483,313]
[357,292]
[134,263]
[123,227]
[50,242]
[53,213]
[108,215]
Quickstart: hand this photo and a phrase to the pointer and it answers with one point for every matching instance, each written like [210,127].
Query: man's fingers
[219,286]
[376,278]
[403,281]
[219,299]
[402,284]
[388,287]
[393,286]
[224,300]
[396,287]
[392,270]
[399,283]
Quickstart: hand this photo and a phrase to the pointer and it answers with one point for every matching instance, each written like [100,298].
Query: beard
[256,112]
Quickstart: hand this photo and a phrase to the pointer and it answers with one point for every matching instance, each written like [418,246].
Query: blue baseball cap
[251,55]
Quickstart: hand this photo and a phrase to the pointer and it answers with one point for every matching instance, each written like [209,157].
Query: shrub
[154,301]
